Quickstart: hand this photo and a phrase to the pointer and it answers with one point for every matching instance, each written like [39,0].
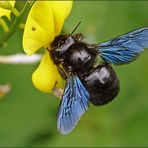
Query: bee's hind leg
[62,72]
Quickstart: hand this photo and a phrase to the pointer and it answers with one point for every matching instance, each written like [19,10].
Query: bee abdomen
[102,84]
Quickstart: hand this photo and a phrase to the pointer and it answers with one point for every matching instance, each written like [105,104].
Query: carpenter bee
[86,82]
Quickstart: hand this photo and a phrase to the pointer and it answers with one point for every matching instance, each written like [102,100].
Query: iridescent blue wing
[125,48]
[74,103]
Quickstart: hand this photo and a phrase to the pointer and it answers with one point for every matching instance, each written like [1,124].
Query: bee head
[60,45]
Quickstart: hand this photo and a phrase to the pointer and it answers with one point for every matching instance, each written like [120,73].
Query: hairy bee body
[86,82]
[78,58]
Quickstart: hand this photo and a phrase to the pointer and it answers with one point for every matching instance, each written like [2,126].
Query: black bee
[86,83]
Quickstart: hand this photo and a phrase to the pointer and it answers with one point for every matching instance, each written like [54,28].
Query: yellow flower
[5,8]
[44,22]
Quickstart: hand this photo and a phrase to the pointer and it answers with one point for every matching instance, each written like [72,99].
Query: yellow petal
[6,12]
[46,75]
[39,28]
[61,9]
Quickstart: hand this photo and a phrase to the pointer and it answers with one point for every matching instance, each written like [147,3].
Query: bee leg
[62,73]
[57,92]
[104,63]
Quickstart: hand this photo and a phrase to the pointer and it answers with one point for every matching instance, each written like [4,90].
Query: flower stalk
[16,23]
[15,11]
[4,25]
[7,5]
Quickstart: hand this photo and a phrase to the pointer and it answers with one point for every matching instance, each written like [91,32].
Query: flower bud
[5,5]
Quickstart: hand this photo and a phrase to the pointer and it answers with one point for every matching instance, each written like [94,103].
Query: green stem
[16,23]
[15,11]
[4,25]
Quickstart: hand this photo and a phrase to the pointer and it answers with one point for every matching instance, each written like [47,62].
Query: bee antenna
[76,28]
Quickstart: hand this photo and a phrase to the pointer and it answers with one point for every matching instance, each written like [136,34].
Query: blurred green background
[28,117]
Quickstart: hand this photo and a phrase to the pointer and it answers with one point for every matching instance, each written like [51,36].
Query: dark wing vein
[74,103]
[125,48]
